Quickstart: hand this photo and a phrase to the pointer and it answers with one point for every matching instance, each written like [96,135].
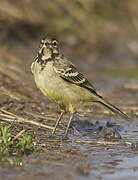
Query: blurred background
[99,36]
[105,31]
[91,30]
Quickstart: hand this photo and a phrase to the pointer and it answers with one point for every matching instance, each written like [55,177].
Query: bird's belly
[60,91]
[57,89]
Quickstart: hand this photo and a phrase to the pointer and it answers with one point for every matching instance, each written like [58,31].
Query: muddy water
[89,153]
[80,158]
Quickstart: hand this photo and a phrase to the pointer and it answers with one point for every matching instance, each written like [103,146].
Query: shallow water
[87,153]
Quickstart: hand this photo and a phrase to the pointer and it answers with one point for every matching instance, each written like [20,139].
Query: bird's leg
[57,122]
[67,129]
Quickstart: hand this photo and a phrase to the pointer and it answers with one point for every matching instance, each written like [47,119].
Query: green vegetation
[14,146]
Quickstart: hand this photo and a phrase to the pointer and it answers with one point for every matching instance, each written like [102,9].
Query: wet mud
[100,144]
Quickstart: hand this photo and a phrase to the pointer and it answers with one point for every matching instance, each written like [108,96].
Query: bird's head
[49,48]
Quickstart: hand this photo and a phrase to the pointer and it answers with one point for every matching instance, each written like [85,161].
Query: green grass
[12,146]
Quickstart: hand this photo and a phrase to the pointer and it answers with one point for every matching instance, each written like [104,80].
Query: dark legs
[59,119]
[67,129]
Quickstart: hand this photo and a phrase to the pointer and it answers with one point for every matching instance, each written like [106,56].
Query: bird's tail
[110,106]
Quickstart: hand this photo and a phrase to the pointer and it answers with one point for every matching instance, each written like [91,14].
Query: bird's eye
[42,41]
[55,43]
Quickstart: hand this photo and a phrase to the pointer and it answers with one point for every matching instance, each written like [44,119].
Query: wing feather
[68,72]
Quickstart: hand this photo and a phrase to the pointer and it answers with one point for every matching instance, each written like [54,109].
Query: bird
[60,81]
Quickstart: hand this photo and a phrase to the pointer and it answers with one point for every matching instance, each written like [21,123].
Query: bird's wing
[68,72]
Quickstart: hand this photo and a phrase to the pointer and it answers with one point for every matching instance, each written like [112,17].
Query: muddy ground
[100,144]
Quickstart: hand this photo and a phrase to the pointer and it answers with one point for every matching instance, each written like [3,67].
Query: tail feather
[112,107]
